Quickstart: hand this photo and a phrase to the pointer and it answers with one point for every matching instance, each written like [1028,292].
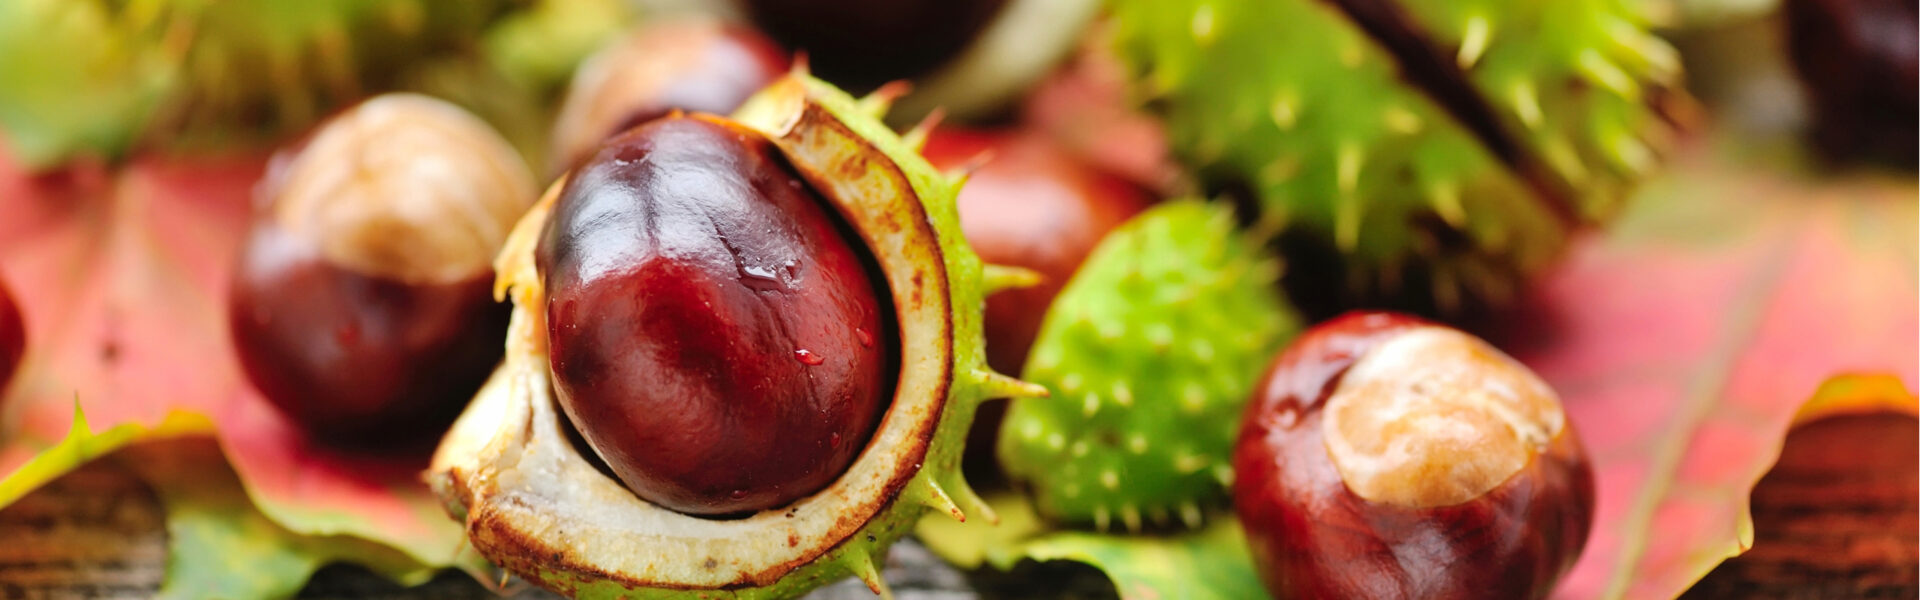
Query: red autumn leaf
[122,279]
[1687,338]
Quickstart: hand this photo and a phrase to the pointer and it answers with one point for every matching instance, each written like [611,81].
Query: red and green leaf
[1686,341]
[121,277]
[220,546]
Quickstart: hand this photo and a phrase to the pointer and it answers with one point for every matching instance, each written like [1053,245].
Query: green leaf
[1208,563]
[81,445]
[75,79]
[220,546]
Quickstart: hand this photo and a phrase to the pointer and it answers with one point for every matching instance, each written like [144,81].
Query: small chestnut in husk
[1387,457]
[361,305]
[13,336]
[694,64]
[1029,204]
[716,334]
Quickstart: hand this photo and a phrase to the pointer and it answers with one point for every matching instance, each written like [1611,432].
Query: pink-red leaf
[122,278]
[1685,341]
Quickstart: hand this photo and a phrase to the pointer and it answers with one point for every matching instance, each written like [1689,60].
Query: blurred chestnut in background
[1387,457]
[1029,204]
[695,64]
[1858,61]
[860,44]
[362,305]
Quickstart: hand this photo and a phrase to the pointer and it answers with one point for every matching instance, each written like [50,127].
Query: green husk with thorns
[101,79]
[1150,352]
[1457,143]
[535,506]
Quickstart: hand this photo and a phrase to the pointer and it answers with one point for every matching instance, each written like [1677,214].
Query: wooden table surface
[1837,518]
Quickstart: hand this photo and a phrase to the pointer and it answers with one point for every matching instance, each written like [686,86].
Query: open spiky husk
[536,507]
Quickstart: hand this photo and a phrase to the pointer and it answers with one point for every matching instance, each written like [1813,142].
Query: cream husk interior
[1436,417]
[526,490]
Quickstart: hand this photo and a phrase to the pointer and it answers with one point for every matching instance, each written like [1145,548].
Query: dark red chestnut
[860,44]
[1030,204]
[1387,457]
[361,307]
[714,332]
[1860,61]
[689,63]
[13,336]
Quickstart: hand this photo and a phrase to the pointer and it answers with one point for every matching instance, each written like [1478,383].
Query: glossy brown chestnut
[1029,204]
[361,307]
[13,336]
[860,44]
[713,333]
[688,63]
[1387,457]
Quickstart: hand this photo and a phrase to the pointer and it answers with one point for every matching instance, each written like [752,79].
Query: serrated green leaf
[82,444]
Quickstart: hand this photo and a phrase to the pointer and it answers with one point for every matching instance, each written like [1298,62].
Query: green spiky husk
[1150,352]
[1295,100]
[97,78]
[495,463]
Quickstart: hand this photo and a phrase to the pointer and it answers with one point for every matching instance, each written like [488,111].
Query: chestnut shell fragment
[1314,537]
[715,335]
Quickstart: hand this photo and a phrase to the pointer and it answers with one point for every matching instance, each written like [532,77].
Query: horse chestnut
[361,305]
[13,336]
[688,63]
[715,333]
[1387,457]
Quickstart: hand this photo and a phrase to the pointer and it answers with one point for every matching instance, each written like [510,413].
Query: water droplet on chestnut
[1423,463]
[685,63]
[707,392]
[361,307]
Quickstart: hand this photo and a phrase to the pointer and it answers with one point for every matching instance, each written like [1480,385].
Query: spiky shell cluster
[1461,140]
[534,505]
[1150,352]
[99,78]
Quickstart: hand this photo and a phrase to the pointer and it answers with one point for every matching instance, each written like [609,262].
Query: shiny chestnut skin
[1029,204]
[688,63]
[1387,457]
[860,44]
[13,336]
[361,307]
[715,332]
[355,358]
